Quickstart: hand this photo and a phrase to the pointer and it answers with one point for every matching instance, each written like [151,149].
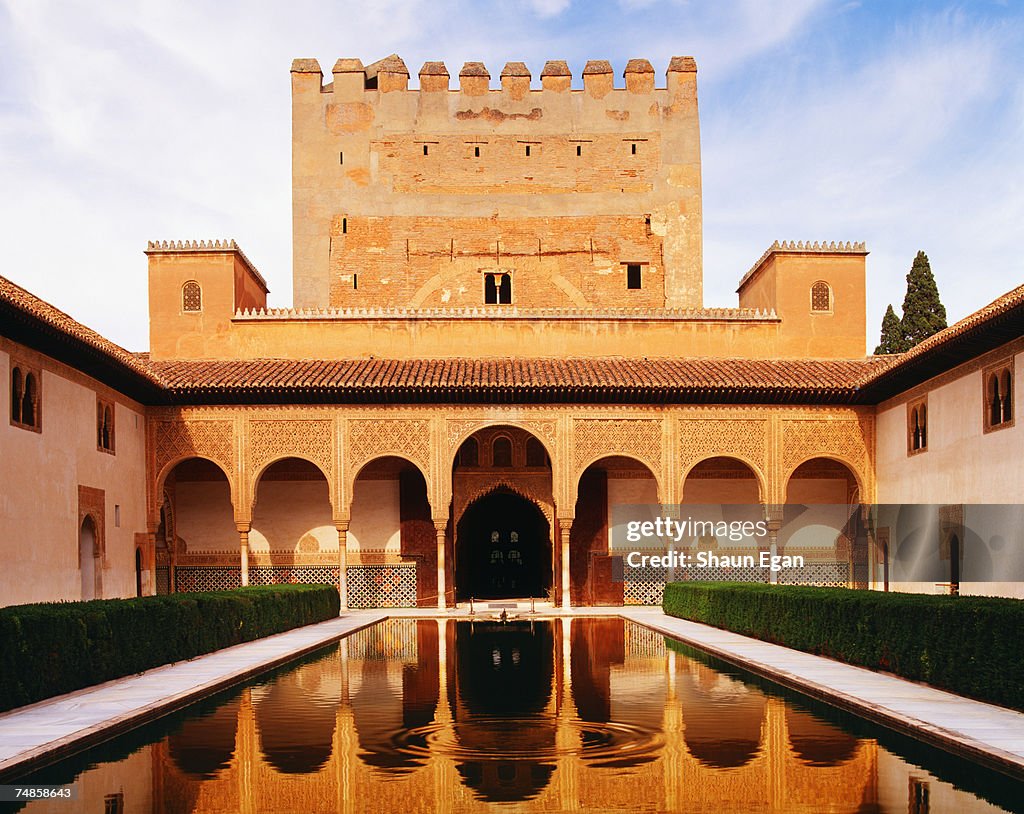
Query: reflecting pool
[586,714]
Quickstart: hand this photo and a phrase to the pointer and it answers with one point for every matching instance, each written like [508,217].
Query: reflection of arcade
[443,716]
[504,678]
[504,548]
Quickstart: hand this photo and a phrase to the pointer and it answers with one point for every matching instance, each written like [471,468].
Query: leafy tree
[923,312]
[892,339]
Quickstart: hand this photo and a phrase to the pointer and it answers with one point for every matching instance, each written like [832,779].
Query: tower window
[344,226]
[821,297]
[341,158]
[579,150]
[476,152]
[999,396]
[191,297]
[527,150]
[633,280]
[632,148]
[426,150]
[355,282]
[497,289]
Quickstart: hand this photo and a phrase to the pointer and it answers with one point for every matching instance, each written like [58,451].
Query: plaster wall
[40,473]
[205,518]
[963,463]
[376,517]
[288,511]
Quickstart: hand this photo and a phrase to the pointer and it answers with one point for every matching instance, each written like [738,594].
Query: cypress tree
[923,313]
[892,339]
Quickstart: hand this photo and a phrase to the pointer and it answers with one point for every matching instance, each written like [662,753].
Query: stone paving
[35,734]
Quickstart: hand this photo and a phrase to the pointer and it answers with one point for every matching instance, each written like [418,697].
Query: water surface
[584,714]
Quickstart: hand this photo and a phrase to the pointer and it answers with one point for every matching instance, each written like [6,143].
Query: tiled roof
[35,313]
[538,379]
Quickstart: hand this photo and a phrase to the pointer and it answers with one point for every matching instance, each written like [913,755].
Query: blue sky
[897,123]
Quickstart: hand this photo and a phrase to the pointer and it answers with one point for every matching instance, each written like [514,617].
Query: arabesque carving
[639,438]
[311,439]
[846,439]
[373,438]
[176,440]
[742,438]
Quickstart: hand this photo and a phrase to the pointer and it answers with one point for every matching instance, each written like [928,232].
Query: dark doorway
[503,549]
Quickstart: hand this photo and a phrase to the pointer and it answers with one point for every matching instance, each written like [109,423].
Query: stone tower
[548,197]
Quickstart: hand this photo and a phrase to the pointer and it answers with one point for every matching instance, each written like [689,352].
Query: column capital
[341,525]
[440,524]
[565,524]
[243,527]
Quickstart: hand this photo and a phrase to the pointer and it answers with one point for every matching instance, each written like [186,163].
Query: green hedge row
[968,645]
[54,648]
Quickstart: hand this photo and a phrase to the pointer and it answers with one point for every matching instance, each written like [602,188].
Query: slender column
[343,564]
[773,514]
[243,537]
[439,528]
[564,525]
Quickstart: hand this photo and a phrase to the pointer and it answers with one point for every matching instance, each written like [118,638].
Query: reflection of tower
[567,736]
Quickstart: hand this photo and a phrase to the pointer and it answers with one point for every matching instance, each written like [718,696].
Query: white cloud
[548,8]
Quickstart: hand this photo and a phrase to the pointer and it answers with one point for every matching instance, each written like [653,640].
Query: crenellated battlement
[391,74]
[610,168]
[804,247]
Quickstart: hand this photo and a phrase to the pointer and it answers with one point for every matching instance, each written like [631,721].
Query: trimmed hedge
[54,648]
[970,645]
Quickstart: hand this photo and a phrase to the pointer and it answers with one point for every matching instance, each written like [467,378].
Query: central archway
[503,548]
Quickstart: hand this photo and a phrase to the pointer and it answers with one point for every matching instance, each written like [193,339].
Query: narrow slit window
[426,150]
[633,277]
[476,152]
[632,148]
[527,150]
[341,158]
[344,226]
[579,150]
[355,282]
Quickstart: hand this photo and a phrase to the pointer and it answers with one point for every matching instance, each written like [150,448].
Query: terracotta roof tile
[602,379]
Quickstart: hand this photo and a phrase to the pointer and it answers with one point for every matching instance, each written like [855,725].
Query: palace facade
[498,337]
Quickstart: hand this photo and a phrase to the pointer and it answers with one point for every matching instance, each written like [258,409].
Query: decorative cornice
[491,313]
[803,247]
[204,246]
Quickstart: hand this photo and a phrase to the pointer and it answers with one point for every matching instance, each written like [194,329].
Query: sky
[896,123]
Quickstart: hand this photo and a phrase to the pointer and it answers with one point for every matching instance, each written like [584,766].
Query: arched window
[995,406]
[501,452]
[30,401]
[17,383]
[104,426]
[1006,388]
[999,395]
[191,297]
[821,297]
[505,290]
[490,290]
[469,453]
[536,455]
[917,426]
